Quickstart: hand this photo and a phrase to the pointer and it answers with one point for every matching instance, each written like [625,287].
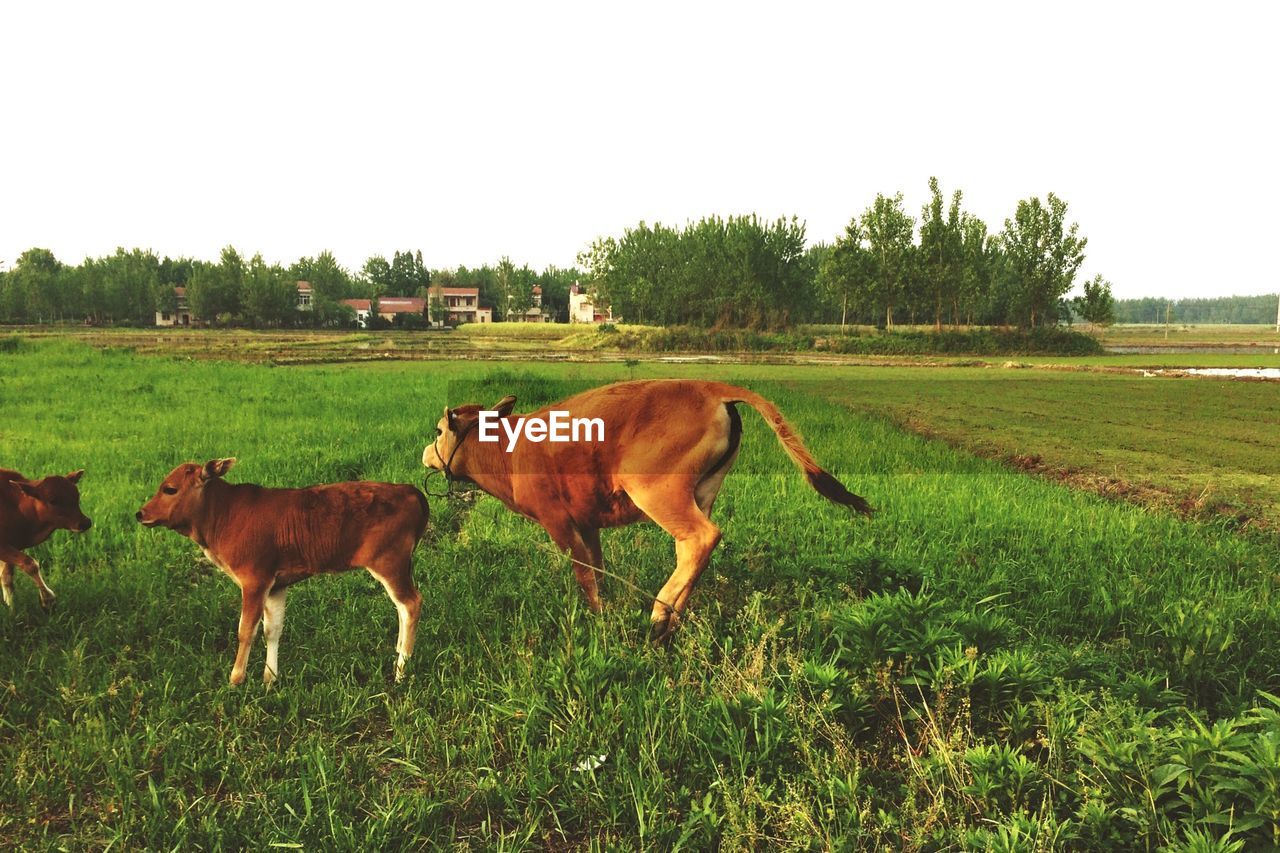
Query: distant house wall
[181,315]
[582,308]
[453,306]
[362,309]
[459,305]
[304,296]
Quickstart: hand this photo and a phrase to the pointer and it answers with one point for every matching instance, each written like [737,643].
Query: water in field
[1172,349]
[1223,372]
[1255,372]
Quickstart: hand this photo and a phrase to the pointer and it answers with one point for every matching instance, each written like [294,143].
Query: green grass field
[1185,334]
[995,661]
[1197,445]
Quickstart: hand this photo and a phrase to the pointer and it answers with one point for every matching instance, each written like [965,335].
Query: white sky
[473,130]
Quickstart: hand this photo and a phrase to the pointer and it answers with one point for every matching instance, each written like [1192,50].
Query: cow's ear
[450,417]
[75,476]
[216,467]
[28,487]
[505,405]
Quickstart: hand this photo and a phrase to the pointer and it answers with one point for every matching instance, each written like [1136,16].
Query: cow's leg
[583,546]
[46,594]
[252,601]
[708,489]
[28,565]
[396,576]
[6,582]
[670,503]
[588,560]
[272,628]
[729,423]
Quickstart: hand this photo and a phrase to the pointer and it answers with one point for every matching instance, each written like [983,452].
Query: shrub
[415,322]
[1045,340]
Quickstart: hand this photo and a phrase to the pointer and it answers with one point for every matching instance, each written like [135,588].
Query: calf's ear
[505,405]
[75,476]
[216,467]
[28,487]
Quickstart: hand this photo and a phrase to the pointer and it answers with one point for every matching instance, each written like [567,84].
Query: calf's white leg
[272,628]
[6,582]
[408,601]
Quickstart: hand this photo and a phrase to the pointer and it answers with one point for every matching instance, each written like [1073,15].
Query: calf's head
[444,453]
[178,501]
[57,501]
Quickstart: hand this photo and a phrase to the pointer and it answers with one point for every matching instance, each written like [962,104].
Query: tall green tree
[978,264]
[214,291]
[270,294]
[130,283]
[407,275]
[1096,305]
[376,277]
[741,271]
[514,287]
[330,284]
[847,273]
[1042,255]
[889,231]
[35,288]
[941,251]
[175,272]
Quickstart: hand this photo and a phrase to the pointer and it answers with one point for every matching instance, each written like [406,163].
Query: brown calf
[668,445]
[29,513]
[269,539]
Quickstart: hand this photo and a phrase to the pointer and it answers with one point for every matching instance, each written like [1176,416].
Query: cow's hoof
[46,604]
[660,630]
[237,678]
[268,677]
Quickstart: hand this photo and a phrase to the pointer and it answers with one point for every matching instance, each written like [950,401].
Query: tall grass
[992,661]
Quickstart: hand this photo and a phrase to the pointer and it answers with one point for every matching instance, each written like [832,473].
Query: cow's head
[178,500]
[57,501]
[445,452]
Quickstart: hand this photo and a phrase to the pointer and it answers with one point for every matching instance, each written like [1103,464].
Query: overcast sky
[475,130]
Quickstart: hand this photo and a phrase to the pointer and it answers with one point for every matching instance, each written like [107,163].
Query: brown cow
[668,445]
[269,539]
[29,513]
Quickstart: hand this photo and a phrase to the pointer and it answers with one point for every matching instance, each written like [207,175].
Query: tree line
[1222,309]
[887,268]
[130,286]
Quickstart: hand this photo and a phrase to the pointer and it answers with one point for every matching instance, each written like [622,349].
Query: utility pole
[1278,315]
[1168,307]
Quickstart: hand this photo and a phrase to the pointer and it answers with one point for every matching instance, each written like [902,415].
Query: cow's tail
[825,484]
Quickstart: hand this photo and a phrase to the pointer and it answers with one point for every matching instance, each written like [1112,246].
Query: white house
[460,305]
[583,308]
[181,316]
[361,307]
